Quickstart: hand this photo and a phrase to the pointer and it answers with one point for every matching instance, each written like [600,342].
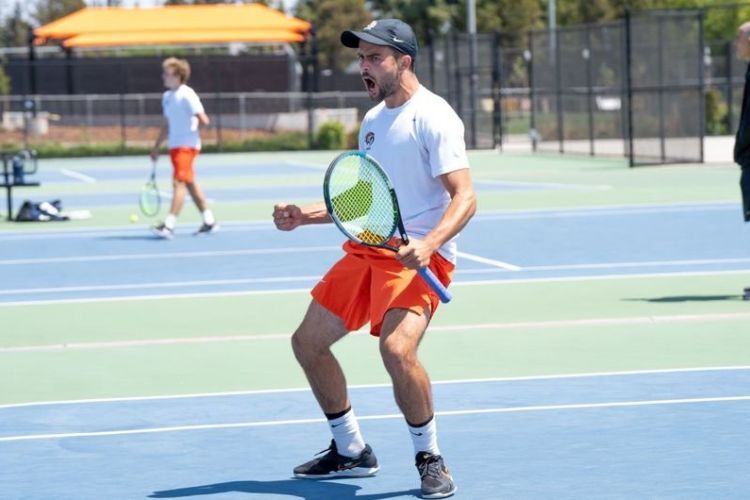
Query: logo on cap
[371,25]
[397,39]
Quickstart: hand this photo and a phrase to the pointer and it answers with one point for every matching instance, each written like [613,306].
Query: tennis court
[597,345]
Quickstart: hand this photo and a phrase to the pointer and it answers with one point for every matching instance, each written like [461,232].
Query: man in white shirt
[419,140]
[183,115]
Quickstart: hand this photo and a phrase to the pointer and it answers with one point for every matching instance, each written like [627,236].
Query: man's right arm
[289,216]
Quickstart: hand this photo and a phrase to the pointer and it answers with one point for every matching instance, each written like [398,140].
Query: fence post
[629,87]
[730,88]
[660,86]
[702,84]
[559,92]
[590,88]
[497,86]
[529,57]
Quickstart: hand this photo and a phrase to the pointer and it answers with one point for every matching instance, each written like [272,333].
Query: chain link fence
[632,87]
[133,120]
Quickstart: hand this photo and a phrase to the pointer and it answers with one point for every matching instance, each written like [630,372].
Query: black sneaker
[334,465]
[437,482]
[746,294]
[206,229]
[163,231]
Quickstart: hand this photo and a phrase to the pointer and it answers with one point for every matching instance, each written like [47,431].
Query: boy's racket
[150,200]
[361,200]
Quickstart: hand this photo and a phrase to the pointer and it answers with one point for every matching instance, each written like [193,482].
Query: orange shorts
[182,163]
[367,282]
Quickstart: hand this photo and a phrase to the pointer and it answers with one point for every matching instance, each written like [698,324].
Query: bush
[716,113]
[331,135]
[353,139]
[289,141]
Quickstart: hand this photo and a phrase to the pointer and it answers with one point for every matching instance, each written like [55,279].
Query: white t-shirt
[416,143]
[180,107]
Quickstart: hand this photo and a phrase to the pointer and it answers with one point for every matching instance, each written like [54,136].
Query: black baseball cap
[391,32]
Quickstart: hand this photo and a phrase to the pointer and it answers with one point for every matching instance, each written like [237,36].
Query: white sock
[208,217]
[345,430]
[424,438]
[170,221]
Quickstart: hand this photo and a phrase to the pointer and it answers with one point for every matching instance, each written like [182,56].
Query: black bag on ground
[40,212]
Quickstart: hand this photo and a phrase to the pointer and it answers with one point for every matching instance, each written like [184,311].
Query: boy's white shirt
[180,107]
[416,143]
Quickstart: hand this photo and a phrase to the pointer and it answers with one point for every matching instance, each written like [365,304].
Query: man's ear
[405,62]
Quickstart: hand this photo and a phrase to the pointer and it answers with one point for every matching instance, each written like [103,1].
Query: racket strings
[150,200]
[362,201]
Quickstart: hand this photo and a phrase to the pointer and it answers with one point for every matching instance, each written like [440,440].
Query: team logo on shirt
[369,139]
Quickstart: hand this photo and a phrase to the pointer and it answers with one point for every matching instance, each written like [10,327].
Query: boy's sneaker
[436,480]
[334,465]
[206,229]
[163,231]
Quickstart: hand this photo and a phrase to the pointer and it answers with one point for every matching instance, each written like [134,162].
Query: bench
[10,180]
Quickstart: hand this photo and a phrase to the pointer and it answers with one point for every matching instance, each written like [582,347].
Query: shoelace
[431,467]
[330,448]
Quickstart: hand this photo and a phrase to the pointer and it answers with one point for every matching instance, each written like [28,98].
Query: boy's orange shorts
[182,163]
[367,282]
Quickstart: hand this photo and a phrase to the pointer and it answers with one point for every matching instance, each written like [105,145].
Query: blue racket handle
[431,279]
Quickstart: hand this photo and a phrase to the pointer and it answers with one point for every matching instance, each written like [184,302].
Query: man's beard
[386,87]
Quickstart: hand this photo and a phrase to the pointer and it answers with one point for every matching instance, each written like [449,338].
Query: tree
[15,29]
[330,18]
[50,10]
[4,81]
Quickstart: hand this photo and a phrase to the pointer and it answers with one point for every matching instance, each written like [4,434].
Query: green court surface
[216,342]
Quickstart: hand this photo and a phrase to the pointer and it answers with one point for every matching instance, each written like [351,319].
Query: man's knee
[397,353]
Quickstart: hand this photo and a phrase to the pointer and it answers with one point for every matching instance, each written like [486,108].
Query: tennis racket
[361,201]
[150,200]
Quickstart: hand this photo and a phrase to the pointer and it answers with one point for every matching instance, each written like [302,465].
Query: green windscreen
[360,199]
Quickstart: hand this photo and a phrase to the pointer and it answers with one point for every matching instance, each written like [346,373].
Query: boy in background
[183,115]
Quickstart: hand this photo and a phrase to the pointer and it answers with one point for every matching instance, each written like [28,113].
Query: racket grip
[435,284]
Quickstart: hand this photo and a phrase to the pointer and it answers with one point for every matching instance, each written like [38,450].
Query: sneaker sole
[206,233]
[162,236]
[358,472]
[441,495]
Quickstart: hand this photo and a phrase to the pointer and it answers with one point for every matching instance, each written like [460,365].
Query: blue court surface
[670,434]
[592,351]
[101,263]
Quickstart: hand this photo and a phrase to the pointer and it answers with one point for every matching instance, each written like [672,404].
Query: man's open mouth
[369,83]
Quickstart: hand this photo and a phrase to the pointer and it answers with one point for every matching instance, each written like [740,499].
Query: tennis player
[419,141]
[183,115]
[742,141]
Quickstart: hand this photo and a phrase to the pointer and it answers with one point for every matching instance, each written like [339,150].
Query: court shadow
[687,298]
[294,488]
[133,237]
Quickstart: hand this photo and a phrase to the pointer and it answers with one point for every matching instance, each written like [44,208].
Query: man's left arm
[203,120]
[462,207]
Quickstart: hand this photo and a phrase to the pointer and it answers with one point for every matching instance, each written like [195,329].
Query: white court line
[306,164]
[149,297]
[554,185]
[520,325]
[617,265]
[277,423]
[160,284]
[523,378]
[481,215]
[494,263]
[167,255]
[78,176]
